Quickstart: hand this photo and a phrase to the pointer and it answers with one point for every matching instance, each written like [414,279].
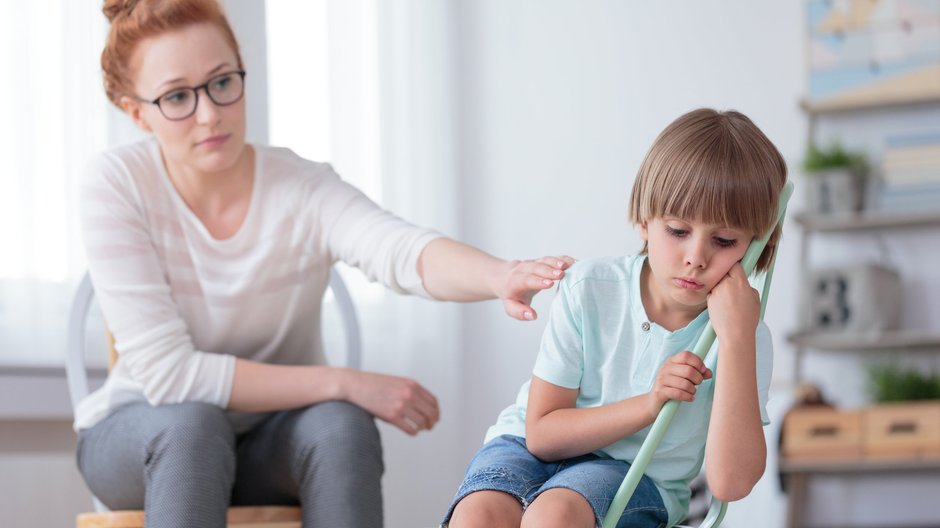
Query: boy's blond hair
[713,167]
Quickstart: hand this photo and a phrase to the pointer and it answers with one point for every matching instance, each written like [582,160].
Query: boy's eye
[726,242]
[676,232]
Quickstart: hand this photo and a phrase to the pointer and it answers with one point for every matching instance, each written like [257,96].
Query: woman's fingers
[529,277]
[560,262]
[401,402]
[519,310]
[418,408]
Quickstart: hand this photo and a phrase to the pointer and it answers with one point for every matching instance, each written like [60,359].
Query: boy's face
[688,258]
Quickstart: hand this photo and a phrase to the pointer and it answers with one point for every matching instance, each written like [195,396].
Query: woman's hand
[401,402]
[734,306]
[524,278]
[677,380]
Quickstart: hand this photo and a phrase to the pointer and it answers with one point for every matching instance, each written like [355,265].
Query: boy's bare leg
[559,507]
[487,509]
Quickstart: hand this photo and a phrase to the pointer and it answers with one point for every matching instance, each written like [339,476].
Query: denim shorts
[504,464]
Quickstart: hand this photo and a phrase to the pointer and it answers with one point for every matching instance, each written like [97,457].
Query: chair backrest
[75,350]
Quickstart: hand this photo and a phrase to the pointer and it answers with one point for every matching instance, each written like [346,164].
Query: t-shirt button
[645,326]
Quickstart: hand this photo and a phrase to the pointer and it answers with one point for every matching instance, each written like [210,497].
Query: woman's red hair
[133,21]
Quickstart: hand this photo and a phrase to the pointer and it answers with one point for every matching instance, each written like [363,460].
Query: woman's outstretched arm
[454,271]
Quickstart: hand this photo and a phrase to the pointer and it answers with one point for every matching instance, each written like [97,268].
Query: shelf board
[853,105]
[865,220]
[858,466]
[906,339]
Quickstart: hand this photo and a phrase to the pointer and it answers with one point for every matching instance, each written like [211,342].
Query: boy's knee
[559,507]
[486,509]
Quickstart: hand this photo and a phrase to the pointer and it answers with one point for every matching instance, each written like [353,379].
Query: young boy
[616,349]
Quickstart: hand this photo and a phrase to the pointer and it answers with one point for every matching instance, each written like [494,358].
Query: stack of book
[910,169]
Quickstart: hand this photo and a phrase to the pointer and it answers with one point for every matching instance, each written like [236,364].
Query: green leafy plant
[834,157]
[891,383]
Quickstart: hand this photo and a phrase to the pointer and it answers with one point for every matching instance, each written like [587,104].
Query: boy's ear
[133,109]
[644,233]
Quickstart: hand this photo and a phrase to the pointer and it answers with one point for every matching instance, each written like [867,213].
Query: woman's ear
[133,109]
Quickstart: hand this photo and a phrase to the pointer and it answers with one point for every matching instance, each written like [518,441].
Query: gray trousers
[184,465]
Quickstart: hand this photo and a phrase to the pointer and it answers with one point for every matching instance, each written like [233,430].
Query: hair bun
[114,8]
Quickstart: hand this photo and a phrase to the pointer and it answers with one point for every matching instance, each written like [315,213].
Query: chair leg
[796,497]
[716,514]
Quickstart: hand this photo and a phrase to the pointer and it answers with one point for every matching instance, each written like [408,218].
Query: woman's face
[213,137]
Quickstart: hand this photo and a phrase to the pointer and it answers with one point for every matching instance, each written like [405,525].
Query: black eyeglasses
[180,103]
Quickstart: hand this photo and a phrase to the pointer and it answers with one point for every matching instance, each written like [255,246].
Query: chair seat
[238,516]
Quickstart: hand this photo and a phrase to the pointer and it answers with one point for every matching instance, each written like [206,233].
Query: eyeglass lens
[223,90]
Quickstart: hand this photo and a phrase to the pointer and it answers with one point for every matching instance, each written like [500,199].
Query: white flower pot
[835,191]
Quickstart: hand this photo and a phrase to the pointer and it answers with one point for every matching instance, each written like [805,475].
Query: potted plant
[837,179]
[890,383]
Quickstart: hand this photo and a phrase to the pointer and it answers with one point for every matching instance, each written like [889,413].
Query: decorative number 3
[832,308]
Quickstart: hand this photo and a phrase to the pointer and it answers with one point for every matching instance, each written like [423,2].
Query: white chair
[77,375]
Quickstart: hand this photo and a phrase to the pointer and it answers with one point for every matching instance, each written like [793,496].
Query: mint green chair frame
[716,511]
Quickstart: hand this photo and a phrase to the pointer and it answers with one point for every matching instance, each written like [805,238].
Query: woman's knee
[195,431]
[342,425]
[340,432]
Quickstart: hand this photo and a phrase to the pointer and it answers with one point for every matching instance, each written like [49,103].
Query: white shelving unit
[868,221]
[799,472]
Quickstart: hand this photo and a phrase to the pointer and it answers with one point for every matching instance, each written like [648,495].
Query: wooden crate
[822,433]
[902,430]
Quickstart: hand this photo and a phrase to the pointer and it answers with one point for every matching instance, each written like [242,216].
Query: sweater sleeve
[131,287]
[355,230]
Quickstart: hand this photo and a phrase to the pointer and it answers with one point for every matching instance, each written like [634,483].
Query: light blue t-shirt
[600,341]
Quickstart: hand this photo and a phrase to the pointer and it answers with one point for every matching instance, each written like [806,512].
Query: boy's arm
[736,452]
[555,429]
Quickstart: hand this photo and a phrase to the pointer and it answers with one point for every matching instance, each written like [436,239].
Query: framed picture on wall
[872,52]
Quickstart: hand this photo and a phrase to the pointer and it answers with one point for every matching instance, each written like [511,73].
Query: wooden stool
[238,517]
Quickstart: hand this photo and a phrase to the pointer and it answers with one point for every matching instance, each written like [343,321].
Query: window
[57,119]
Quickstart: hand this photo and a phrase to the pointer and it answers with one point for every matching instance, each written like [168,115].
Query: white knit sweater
[183,305]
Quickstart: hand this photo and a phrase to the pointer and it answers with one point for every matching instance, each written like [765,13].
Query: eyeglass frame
[195,89]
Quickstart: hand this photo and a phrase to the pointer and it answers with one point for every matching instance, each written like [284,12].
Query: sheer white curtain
[366,85]
[55,119]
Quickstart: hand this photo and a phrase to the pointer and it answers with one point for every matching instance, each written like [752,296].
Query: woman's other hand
[525,278]
[401,402]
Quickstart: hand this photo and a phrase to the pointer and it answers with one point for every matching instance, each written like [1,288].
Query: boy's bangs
[716,193]
[710,176]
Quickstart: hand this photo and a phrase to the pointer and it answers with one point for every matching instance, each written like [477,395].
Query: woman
[210,257]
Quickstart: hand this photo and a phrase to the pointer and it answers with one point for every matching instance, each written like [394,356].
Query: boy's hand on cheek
[525,278]
[677,380]
[733,305]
